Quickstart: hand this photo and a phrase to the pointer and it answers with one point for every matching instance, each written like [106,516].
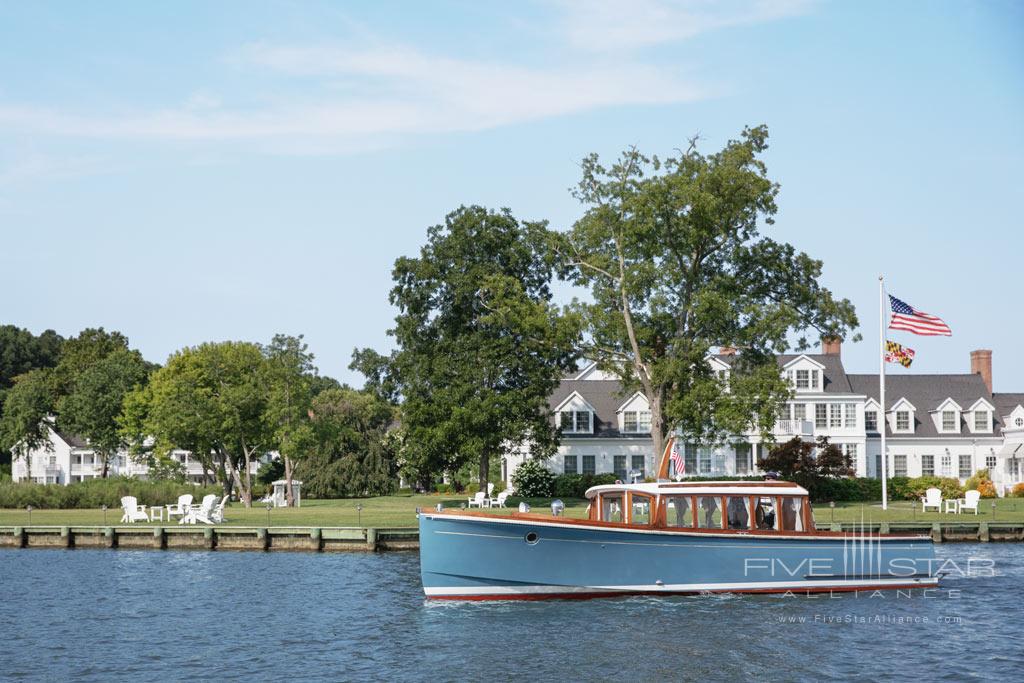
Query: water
[101,615]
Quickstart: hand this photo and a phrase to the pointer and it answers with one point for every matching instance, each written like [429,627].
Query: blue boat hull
[482,557]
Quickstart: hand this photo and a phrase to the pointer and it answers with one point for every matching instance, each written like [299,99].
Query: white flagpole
[884,421]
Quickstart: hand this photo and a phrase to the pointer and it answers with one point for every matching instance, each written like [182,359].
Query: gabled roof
[902,402]
[570,397]
[982,403]
[1006,403]
[804,356]
[73,440]
[946,403]
[927,392]
[632,398]
[833,374]
[604,396]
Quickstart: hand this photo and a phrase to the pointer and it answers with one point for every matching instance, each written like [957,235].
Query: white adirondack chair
[970,501]
[133,512]
[180,508]
[479,500]
[499,502]
[201,512]
[932,499]
[217,515]
[490,489]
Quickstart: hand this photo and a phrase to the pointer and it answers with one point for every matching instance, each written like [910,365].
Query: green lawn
[394,511]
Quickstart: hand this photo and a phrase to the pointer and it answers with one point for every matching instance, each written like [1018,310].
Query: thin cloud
[612,25]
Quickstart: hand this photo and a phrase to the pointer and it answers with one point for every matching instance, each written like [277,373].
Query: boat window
[709,512]
[641,510]
[677,511]
[611,507]
[792,514]
[738,512]
[764,515]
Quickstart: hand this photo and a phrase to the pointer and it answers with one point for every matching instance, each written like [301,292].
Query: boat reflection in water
[664,538]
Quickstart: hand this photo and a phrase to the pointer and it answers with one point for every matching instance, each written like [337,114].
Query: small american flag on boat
[906,317]
[677,458]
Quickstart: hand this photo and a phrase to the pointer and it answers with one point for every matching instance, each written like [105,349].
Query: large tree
[20,353]
[673,256]
[289,384]
[480,345]
[348,452]
[208,399]
[24,424]
[95,399]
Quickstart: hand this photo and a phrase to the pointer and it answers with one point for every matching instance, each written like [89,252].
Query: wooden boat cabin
[760,507]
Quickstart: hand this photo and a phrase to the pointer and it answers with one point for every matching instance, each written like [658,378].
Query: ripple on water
[135,615]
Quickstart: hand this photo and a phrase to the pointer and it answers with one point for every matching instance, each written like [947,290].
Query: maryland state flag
[897,353]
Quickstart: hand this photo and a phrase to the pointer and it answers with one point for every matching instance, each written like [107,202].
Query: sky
[197,171]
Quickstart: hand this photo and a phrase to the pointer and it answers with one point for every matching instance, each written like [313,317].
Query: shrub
[1018,491]
[576,485]
[899,488]
[982,482]
[950,487]
[95,493]
[533,480]
[444,488]
[846,489]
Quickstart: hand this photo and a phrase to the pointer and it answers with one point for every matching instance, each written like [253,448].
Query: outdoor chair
[490,489]
[180,508]
[970,501]
[479,500]
[201,512]
[133,512]
[499,502]
[217,515]
[932,499]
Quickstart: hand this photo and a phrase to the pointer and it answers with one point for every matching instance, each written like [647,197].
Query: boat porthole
[532,537]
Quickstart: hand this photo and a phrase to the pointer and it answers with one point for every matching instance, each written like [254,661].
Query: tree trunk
[106,466]
[247,494]
[225,480]
[658,436]
[485,471]
[289,498]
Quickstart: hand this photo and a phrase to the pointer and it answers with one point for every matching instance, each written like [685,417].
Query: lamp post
[104,515]
[29,510]
[269,506]
[359,512]
[993,509]
[832,510]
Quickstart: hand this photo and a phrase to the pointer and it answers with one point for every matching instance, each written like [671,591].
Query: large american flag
[906,317]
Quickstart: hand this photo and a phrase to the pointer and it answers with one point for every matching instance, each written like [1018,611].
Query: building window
[927,465]
[620,467]
[814,379]
[949,421]
[589,464]
[78,459]
[899,465]
[743,458]
[981,420]
[569,464]
[990,462]
[705,460]
[1019,422]
[947,465]
[965,466]
[850,412]
[902,420]
[820,416]
[835,415]
[799,411]
[576,421]
[636,421]
[803,379]
[871,420]
[690,458]
[639,465]
[850,449]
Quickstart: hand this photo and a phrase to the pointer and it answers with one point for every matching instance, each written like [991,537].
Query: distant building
[948,425]
[69,459]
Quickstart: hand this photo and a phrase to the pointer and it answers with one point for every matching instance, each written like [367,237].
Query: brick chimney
[831,346]
[981,364]
[727,350]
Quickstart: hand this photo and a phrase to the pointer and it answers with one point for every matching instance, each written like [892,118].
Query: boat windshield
[677,511]
[709,515]
[738,509]
[641,510]
[611,507]
[792,514]
[764,514]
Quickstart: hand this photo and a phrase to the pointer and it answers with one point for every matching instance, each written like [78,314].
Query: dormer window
[949,421]
[902,420]
[807,379]
[871,420]
[981,421]
[636,421]
[1019,422]
[577,421]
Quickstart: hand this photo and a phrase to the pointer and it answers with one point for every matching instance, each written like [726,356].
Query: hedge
[96,493]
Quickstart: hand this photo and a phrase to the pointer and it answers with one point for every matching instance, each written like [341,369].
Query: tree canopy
[480,345]
[673,256]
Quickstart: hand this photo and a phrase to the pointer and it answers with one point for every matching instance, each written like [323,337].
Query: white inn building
[944,425]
